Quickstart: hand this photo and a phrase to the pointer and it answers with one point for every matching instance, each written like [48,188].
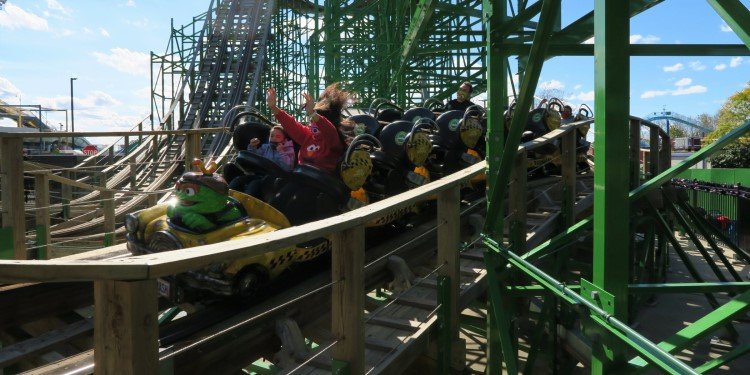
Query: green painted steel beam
[583,28]
[611,183]
[498,186]
[702,327]
[704,287]
[497,92]
[501,315]
[664,288]
[724,359]
[621,330]
[417,27]
[736,15]
[692,160]
[516,48]
[515,23]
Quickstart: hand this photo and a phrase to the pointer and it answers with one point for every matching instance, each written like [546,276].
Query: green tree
[676,132]
[732,114]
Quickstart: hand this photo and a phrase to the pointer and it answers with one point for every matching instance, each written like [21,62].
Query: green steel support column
[498,186]
[501,310]
[494,16]
[736,15]
[445,336]
[497,92]
[611,205]
[332,32]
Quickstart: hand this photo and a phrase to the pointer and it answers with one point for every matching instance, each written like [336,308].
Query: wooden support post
[67,195]
[154,155]
[108,206]
[635,153]
[192,149]
[518,203]
[665,154]
[13,234]
[568,178]
[126,150]
[348,300]
[448,242]
[132,171]
[41,199]
[111,155]
[125,330]
[653,145]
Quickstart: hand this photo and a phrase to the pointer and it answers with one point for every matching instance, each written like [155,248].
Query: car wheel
[247,282]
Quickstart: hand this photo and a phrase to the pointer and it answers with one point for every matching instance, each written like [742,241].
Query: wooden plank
[126,333]
[173,262]
[381,345]
[387,321]
[473,254]
[11,183]
[347,302]
[421,303]
[41,199]
[569,178]
[25,349]
[448,236]
[58,298]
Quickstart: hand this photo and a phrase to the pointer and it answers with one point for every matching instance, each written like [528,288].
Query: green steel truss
[412,50]
[406,51]
[625,255]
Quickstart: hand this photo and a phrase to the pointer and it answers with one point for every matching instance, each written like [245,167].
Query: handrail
[152,266]
[551,136]
[115,134]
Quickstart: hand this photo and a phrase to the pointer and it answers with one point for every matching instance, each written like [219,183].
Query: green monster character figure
[203,203]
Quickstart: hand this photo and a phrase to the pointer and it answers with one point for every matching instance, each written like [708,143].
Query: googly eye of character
[313,148]
[315,129]
[189,191]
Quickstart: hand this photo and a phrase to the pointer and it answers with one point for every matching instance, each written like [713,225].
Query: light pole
[72,115]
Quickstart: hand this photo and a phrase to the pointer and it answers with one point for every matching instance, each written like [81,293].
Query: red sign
[90,150]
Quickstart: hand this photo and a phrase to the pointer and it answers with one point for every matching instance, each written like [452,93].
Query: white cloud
[697,66]
[682,89]
[683,82]
[551,85]
[66,33]
[8,90]
[587,96]
[141,24]
[640,39]
[697,89]
[720,67]
[674,68]
[143,93]
[130,3]
[577,87]
[16,18]
[54,5]
[125,60]
[654,93]
[735,62]
[104,32]
[725,28]
[86,30]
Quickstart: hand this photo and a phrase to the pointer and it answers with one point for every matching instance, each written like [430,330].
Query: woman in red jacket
[322,143]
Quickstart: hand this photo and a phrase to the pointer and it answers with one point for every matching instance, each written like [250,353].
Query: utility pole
[72,115]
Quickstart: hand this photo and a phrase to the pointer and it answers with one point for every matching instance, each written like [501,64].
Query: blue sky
[106,44]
